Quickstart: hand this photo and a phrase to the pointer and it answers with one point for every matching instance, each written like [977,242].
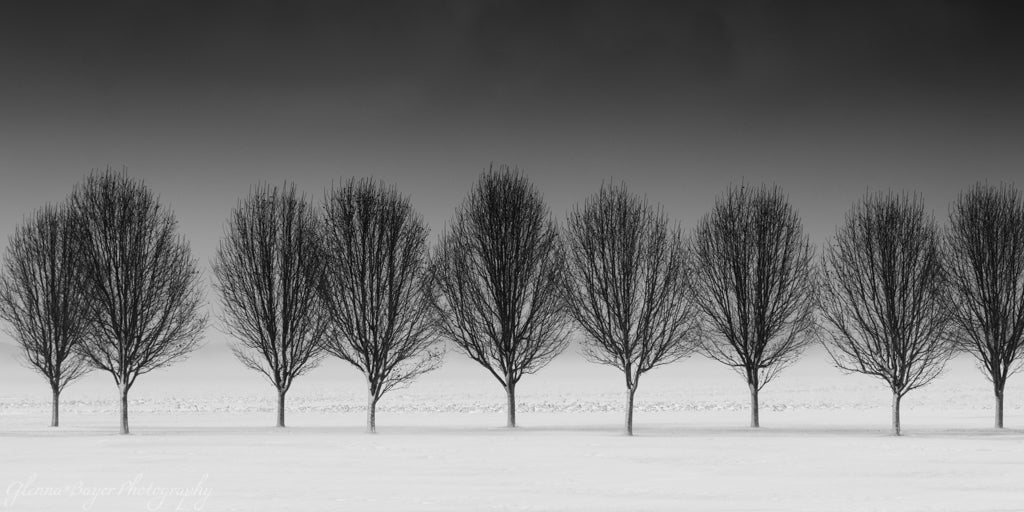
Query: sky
[203,99]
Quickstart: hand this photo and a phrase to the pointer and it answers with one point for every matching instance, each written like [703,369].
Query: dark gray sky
[202,99]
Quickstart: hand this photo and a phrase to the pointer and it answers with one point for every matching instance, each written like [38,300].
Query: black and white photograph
[511,255]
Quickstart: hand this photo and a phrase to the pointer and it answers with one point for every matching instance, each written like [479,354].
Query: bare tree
[43,298]
[884,295]
[268,267]
[376,288]
[498,274]
[985,267]
[142,277]
[754,283]
[628,286]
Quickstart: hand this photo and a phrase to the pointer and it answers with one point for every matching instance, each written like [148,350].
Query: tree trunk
[630,393]
[510,389]
[755,420]
[124,408]
[895,414]
[999,408]
[371,412]
[55,411]
[280,407]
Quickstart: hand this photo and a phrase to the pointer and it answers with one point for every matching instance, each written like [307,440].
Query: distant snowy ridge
[469,403]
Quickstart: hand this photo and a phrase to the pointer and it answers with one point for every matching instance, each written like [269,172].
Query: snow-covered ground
[804,460]
[203,440]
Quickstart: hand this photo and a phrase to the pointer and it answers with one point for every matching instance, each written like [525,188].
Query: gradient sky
[203,99]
